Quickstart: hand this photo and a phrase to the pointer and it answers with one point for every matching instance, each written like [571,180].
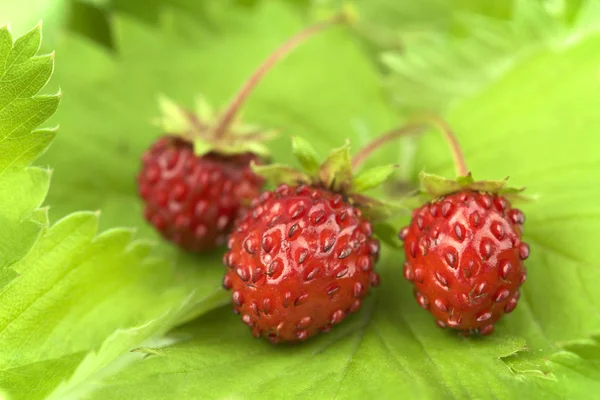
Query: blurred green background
[519,82]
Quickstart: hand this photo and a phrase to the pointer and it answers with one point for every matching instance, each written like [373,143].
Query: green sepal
[258,148]
[281,173]
[202,147]
[204,111]
[198,126]
[173,118]
[373,177]
[336,172]
[306,155]
[437,186]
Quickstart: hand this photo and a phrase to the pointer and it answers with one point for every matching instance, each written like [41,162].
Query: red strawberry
[463,248]
[300,260]
[195,180]
[464,255]
[302,257]
[193,201]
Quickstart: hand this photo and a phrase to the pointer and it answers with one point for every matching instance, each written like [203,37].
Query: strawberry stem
[459,158]
[419,125]
[409,129]
[229,113]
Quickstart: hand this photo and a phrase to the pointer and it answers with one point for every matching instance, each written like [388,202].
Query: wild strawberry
[464,255]
[302,257]
[193,200]
[464,252]
[195,179]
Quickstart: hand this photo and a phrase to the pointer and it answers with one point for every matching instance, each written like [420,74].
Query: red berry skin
[193,201]
[464,255]
[299,261]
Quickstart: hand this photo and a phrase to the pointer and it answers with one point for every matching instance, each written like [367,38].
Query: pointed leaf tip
[373,177]
[336,172]
[202,147]
[306,154]
[465,180]
[203,108]
[173,118]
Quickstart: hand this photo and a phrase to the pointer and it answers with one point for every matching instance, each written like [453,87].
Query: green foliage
[73,303]
[62,287]
[441,68]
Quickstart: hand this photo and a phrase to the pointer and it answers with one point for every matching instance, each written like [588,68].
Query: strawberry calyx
[335,174]
[198,126]
[435,187]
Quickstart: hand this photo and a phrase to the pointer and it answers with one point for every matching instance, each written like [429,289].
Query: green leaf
[336,171]
[562,225]
[91,21]
[114,123]
[534,122]
[23,18]
[406,355]
[79,16]
[373,177]
[439,68]
[306,155]
[62,287]
[392,349]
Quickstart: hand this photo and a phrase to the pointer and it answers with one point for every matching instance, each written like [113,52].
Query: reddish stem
[229,113]
[394,134]
[419,126]
[457,154]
